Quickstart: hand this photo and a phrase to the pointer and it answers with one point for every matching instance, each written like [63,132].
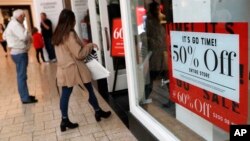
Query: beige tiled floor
[40,122]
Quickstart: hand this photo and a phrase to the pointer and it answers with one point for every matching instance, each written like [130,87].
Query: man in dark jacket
[46,28]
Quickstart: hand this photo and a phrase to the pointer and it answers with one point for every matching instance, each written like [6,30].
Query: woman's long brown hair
[65,24]
[153,9]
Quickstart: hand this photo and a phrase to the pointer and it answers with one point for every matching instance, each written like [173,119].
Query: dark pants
[66,92]
[64,101]
[39,51]
[4,44]
[21,61]
[149,87]
[92,98]
[50,49]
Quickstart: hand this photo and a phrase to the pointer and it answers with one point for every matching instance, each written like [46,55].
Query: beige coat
[70,67]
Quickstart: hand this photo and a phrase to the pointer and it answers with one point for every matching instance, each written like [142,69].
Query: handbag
[96,69]
[91,56]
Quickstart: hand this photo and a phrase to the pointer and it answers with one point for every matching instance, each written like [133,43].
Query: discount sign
[201,58]
[117,39]
[209,70]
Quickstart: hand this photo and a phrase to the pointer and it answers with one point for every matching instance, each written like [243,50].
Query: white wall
[186,10]
[230,10]
[79,7]
[52,8]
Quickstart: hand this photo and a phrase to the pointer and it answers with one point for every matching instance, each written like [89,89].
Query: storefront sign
[140,19]
[207,61]
[117,39]
[209,70]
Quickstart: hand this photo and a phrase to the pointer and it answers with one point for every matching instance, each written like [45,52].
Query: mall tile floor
[40,121]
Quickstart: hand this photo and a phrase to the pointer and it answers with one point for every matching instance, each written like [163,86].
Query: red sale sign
[140,13]
[117,39]
[208,68]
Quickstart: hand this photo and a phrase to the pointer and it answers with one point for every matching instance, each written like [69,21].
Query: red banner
[208,68]
[117,39]
[140,13]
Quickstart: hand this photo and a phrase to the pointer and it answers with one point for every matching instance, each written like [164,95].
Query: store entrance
[114,88]
[103,14]
[6,14]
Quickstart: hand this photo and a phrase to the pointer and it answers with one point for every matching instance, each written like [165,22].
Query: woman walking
[71,70]
[156,44]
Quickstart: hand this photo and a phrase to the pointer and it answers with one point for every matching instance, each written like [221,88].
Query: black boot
[66,123]
[101,114]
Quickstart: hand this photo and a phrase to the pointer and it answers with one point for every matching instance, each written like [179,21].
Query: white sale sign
[206,60]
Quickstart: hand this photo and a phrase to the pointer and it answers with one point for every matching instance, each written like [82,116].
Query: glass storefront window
[171,36]
[149,26]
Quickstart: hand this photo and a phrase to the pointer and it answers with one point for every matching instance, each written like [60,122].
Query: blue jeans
[66,92]
[21,61]
[92,98]
[64,101]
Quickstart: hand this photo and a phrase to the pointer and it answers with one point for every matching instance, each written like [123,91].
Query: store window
[150,20]
[192,69]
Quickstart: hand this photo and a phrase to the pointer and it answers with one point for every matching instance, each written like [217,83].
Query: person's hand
[92,46]
[43,24]
[85,42]
[95,46]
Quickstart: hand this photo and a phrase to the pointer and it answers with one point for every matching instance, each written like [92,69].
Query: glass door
[117,79]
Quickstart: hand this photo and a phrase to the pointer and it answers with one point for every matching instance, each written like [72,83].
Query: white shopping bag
[97,70]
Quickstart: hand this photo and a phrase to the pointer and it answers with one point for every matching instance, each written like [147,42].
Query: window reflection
[149,22]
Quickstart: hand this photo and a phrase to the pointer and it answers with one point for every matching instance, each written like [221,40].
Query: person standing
[18,40]
[71,71]
[2,41]
[156,40]
[38,44]
[46,28]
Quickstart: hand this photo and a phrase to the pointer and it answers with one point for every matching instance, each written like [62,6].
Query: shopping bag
[91,56]
[97,70]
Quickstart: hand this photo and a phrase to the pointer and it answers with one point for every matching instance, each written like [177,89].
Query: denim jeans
[64,101]
[50,49]
[21,61]
[66,92]
[92,98]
